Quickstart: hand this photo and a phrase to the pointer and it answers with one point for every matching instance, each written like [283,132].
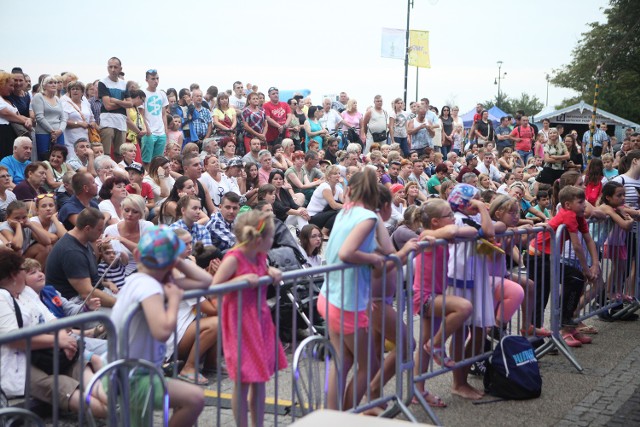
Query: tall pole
[592,125]
[417,68]
[406,51]
[547,102]
[499,79]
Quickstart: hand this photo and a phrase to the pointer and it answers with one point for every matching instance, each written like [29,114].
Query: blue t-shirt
[16,168]
[354,294]
[610,174]
[72,207]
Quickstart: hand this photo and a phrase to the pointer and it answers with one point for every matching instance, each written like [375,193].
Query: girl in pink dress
[260,351]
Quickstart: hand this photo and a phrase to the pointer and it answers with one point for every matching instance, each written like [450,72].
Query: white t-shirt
[156,188]
[114,120]
[52,227]
[330,120]
[138,287]
[237,103]
[107,206]
[400,125]
[318,202]
[112,230]
[4,104]
[153,106]
[10,197]
[216,189]
[73,115]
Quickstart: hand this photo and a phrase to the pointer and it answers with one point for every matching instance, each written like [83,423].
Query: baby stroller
[296,296]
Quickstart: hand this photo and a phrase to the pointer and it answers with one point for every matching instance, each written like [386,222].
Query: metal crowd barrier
[300,287]
[53,327]
[517,277]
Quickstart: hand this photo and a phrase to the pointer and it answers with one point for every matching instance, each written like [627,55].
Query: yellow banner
[419,49]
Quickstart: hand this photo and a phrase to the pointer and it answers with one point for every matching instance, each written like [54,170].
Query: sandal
[433,401]
[191,378]
[538,332]
[587,329]
[439,355]
[571,341]
[584,339]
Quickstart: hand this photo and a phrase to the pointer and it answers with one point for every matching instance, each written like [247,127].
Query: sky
[326,47]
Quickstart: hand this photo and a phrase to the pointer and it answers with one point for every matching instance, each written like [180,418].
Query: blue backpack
[512,370]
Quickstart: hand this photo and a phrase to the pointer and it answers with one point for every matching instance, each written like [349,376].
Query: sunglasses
[272,89]
[42,196]
[152,71]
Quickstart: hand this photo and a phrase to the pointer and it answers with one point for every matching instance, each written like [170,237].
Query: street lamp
[497,81]
[547,102]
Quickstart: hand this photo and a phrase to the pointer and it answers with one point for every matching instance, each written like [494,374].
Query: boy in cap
[136,175]
[159,294]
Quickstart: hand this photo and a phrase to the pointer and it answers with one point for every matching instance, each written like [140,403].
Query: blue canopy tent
[286,94]
[494,115]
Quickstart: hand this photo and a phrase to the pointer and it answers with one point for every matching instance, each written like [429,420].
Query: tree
[529,103]
[616,46]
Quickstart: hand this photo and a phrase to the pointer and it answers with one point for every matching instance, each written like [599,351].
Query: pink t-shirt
[353,120]
[526,134]
[423,284]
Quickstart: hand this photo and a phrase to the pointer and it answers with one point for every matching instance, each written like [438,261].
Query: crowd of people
[112,195]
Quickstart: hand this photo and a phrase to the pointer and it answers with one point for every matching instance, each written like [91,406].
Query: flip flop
[571,341]
[191,378]
[587,329]
[434,402]
[439,356]
[584,339]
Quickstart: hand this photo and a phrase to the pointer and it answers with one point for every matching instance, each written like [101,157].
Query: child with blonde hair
[260,349]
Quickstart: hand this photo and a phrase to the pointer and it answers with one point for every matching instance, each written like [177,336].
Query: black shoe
[478,369]
[605,316]
[497,333]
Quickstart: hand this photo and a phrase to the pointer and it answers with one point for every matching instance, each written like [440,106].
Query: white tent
[579,116]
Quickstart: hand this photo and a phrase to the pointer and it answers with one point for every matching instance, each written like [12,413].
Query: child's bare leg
[239,404]
[461,386]
[256,404]
[360,378]
[187,401]
[387,370]
[346,361]
[421,357]
[456,311]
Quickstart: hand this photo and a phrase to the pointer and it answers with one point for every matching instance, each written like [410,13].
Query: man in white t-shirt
[238,100]
[487,167]
[331,118]
[115,101]
[155,119]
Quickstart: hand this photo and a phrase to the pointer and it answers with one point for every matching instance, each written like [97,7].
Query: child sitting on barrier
[443,314]
[344,296]
[159,294]
[573,273]
[612,203]
[261,352]
[468,278]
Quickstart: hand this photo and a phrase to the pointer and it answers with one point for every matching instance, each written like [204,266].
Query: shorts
[140,387]
[341,320]
[42,385]
[549,176]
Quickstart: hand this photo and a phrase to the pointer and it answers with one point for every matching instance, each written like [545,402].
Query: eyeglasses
[152,71]
[450,215]
[273,89]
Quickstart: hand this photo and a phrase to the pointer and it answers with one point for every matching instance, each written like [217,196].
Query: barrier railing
[75,322]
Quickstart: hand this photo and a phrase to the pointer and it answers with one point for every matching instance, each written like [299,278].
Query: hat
[396,187]
[470,157]
[325,161]
[235,163]
[135,166]
[461,195]
[159,247]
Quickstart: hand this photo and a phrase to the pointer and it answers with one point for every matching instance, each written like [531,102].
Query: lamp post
[547,101]
[406,52]
[497,81]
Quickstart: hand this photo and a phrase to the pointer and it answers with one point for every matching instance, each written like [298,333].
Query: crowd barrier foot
[423,402]
[397,408]
[223,401]
[558,343]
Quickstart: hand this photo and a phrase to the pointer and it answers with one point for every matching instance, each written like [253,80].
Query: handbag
[352,135]
[43,359]
[94,135]
[20,130]
[379,136]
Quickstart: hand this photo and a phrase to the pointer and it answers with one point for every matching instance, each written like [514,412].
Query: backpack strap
[18,313]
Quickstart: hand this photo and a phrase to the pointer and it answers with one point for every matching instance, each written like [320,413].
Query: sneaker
[478,369]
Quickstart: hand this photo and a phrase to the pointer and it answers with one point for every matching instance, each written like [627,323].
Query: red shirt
[277,112]
[146,190]
[571,221]
[526,135]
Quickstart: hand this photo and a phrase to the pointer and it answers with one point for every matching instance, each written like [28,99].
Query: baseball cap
[159,247]
[135,166]
[461,196]
[235,163]
[470,157]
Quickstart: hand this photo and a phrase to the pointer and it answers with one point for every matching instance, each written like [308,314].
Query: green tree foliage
[530,104]
[615,45]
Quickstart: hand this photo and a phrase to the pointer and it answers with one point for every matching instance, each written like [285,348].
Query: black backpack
[512,370]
